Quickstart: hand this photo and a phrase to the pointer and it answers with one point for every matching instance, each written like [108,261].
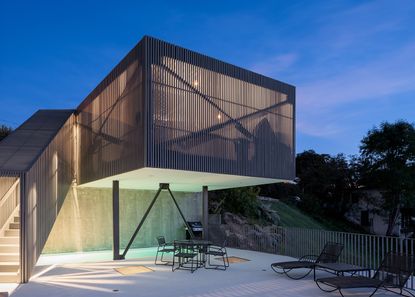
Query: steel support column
[116,220]
[205,217]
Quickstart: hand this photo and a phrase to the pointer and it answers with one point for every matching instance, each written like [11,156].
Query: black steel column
[205,215]
[116,220]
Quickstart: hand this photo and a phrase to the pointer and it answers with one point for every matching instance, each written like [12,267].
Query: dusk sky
[352,62]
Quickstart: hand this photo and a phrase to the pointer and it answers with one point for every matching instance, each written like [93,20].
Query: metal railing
[359,249]
[9,201]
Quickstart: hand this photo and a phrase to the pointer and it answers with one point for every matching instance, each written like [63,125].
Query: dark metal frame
[185,252]
[163,247]
[382,285]
[217,251]
[340,271]
[308,261]
[162,186]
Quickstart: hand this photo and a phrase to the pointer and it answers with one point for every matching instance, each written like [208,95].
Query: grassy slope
[290,216]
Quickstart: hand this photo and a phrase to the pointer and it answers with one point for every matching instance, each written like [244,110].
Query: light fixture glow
[195,83]
[219,116]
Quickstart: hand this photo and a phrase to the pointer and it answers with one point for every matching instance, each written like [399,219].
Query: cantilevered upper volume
[164,115]
[168,114]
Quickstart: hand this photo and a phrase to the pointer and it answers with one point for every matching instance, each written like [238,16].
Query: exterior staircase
[9,252]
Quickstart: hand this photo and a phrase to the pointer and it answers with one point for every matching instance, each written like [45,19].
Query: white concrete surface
[76,275]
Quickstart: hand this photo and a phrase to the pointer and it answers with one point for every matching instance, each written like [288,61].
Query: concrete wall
[85,220]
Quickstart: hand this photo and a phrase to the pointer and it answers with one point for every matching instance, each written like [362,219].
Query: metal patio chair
[163,247]
[392,275]
[186,254]
[217,251]
[329,254]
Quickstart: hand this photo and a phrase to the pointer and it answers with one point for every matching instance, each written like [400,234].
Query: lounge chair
[329,254]
[163,247]
[391,276]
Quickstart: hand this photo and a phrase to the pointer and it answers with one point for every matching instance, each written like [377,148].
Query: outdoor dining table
[199,245]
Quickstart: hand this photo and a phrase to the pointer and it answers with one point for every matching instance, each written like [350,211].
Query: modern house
[165,122]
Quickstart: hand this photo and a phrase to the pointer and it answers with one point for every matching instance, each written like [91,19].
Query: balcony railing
[359,249]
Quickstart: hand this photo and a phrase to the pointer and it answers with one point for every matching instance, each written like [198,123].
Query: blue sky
[353,62]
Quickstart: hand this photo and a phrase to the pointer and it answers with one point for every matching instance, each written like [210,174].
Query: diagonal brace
[163,186]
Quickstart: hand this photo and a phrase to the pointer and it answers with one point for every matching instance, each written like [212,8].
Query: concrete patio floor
[93,274]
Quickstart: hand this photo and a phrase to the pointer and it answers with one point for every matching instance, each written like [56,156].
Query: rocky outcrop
[240,234]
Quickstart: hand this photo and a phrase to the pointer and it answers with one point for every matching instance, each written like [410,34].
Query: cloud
[391,74]
[322,130]
[323,103]
[275,64]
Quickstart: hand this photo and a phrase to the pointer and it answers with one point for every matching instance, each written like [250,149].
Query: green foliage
[387,163]
[4,131]
[241,201]
[326,183]
[291,216]
[286,192]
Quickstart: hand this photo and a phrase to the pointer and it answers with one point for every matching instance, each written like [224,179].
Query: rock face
[267,212]
[240,234]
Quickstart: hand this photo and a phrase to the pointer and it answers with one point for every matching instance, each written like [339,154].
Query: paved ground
[72,275]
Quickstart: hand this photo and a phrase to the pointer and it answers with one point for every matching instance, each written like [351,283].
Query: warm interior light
[219,116]
[195,83]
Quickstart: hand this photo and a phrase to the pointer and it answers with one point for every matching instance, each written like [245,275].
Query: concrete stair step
[9,266]
[14,226]
[9,257]
[9,240]
[9,277]
[9,248]
[13,232]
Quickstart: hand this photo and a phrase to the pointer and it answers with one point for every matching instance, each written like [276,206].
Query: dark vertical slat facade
[168,107]
[44,188]
[111,122]
[210,116]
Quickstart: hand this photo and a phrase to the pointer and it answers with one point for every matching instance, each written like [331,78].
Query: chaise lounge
[329,254]
[392,275]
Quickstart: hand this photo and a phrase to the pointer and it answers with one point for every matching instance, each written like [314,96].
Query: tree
[241,201]
[4,131]
[387,163]
[326,183]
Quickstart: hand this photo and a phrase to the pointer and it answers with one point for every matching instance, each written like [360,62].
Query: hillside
[291,216]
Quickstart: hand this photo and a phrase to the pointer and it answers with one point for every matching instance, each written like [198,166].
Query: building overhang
[179,180]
